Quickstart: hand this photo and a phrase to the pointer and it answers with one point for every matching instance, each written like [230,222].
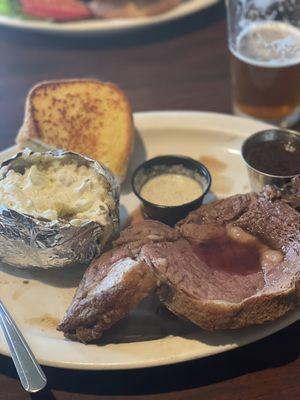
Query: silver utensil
[30,373]
[259,179]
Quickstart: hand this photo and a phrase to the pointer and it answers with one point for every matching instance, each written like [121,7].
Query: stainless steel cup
[259,179]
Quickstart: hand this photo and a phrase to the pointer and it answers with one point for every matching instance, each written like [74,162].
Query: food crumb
[45,321]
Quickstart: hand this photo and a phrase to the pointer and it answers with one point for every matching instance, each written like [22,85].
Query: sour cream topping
[68,192]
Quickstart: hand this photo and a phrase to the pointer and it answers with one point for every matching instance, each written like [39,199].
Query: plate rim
[272,327]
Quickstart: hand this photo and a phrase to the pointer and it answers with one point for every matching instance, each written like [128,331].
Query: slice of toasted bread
[81,115]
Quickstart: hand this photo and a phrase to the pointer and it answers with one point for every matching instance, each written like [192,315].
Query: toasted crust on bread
[82,115]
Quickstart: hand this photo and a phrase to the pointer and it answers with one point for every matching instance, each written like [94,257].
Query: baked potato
[58,208]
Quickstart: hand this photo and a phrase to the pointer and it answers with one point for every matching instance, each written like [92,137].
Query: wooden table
[183,65]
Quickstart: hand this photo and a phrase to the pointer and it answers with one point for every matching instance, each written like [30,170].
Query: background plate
[150,336]
[109,25]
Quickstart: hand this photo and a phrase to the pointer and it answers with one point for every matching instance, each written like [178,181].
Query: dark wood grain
[182,65]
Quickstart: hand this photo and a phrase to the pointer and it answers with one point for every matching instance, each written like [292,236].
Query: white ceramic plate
[38,300]
[92,26]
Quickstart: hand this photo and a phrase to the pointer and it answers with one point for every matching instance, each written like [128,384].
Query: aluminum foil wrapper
[28,242]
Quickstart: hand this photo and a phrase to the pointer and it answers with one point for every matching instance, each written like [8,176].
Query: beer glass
[264,44]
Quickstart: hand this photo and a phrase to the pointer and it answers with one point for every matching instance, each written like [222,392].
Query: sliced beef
[212,280]
[229,264]
[220,211]
[114,283]
[275,222]
[136,236]
[180,266]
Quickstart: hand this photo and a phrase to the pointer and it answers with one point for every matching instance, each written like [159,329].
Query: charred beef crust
[114,283]
[220,211]
[90,316]
[215,315]
[274,222]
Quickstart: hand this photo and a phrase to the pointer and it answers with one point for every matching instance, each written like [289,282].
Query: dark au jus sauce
[235,251]
[230,256]
[278,157]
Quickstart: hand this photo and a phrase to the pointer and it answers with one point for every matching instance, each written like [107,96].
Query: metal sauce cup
[258,179]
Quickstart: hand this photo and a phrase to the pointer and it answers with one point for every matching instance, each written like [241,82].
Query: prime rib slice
[114,283]
[220,283]
[231,263]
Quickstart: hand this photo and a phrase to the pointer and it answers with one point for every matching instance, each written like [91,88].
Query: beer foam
[268,44]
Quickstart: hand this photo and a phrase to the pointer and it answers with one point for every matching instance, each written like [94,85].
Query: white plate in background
[92,26]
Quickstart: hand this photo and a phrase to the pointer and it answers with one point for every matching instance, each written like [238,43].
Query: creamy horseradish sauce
[171,189]
[60,191]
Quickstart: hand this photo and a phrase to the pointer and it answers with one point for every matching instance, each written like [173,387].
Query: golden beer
[265,70]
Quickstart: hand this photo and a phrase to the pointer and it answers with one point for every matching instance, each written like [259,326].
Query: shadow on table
[123,38]
[274,351]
